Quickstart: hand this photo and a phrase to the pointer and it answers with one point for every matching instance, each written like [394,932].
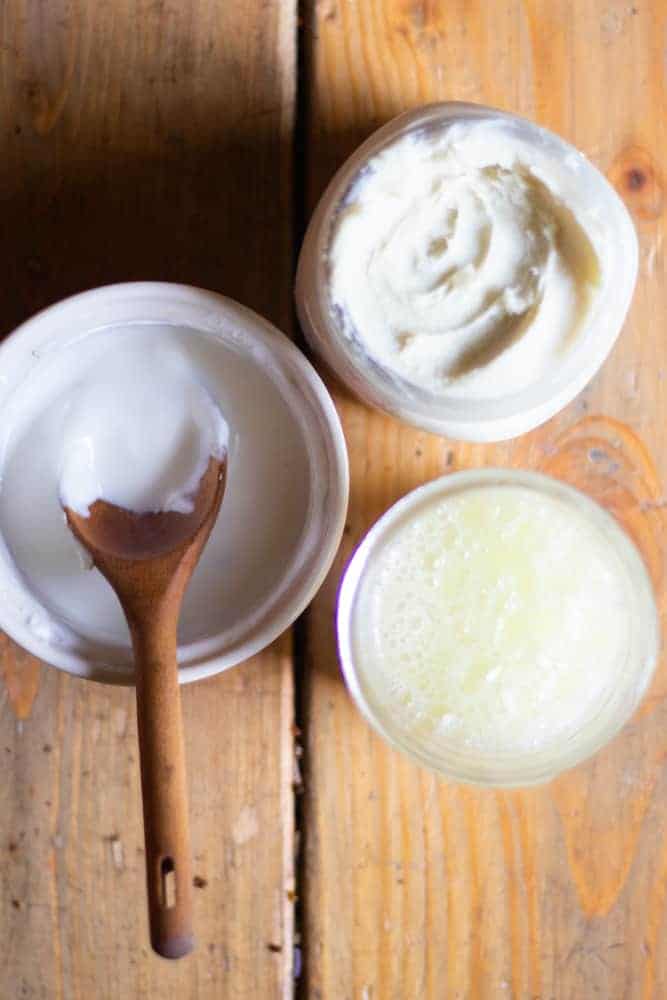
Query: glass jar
[629,675]
[471,419]
[268,585]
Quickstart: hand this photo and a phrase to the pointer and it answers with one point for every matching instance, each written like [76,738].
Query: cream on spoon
[139,435]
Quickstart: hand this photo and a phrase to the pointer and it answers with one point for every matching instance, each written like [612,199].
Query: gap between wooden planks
[412,887]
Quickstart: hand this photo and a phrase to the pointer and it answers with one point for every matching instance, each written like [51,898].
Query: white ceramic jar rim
[528,767]
[479,419]
[113,307]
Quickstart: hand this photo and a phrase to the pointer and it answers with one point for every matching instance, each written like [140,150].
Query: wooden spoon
[148,559]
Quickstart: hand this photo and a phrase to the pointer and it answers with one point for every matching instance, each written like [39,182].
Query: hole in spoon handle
[168,883]
[169,906]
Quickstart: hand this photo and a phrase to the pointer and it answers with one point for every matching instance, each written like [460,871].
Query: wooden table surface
[189,140]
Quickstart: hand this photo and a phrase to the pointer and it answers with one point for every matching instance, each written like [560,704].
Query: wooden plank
[415,887]
[144,140]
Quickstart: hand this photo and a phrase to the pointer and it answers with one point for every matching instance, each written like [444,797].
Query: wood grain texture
[417,888]
[148,139]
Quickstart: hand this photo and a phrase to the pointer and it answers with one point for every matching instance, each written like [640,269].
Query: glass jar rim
[511,769]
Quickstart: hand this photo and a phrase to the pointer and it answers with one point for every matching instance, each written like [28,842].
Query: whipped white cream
[465,259]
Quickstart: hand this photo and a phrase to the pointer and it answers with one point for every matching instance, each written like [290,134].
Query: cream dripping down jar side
[466,271]
[284,507]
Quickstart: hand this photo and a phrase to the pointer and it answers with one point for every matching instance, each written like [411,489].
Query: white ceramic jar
[267,555]
[602,702]
[476,417]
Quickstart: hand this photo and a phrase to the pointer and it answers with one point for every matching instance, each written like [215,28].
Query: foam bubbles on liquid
[494,618]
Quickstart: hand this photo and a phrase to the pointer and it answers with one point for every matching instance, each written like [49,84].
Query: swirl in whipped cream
[463,262]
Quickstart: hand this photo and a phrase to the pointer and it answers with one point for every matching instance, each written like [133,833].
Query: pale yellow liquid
[494,618]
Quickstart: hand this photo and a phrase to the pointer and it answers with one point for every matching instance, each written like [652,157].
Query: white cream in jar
[132,415]
[498,626]
[465,260]
[283,510]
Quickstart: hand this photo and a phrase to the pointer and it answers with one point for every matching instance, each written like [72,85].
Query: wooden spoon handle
[163,784]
